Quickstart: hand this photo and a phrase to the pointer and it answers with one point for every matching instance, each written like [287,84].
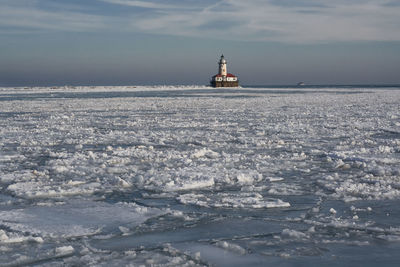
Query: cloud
[22,16]
[308,21]
[142,4]
[300,21]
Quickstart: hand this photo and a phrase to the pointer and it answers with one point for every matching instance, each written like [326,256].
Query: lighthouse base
[225,84]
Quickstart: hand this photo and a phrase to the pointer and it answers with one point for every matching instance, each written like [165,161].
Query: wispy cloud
[27,15]
[143,4]
[300,21]
[307,21]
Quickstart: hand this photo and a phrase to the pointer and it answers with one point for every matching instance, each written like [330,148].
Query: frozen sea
[196,176]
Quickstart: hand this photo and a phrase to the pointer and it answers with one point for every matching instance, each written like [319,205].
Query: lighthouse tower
[223,78]
[222,66]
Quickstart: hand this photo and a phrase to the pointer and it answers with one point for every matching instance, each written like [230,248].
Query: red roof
[228,75]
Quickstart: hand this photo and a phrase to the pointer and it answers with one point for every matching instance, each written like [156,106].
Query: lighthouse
[222,66]
[223,78]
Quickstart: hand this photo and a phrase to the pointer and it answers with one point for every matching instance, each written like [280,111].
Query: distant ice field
[197,176]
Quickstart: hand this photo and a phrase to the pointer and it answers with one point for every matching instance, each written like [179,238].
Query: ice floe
[74,219]
[232,200]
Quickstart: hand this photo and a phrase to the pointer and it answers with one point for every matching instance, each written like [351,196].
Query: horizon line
[207,85]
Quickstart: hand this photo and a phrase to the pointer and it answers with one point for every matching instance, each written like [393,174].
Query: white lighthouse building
[223,78]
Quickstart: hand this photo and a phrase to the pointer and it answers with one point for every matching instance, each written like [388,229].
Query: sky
[266,42]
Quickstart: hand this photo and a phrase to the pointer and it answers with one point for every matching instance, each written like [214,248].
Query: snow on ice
[194,176]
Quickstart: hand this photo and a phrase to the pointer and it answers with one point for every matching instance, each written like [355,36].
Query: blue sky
[127,42]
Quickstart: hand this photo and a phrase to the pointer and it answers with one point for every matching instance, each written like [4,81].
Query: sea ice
[233,200]
[74,219]
[193,175]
